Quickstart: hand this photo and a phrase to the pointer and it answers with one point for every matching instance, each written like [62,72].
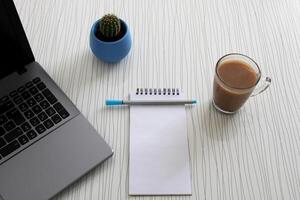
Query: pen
[113,102]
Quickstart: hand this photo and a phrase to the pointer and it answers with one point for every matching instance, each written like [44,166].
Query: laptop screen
[15,51]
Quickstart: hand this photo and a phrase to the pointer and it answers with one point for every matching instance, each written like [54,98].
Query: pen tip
[194,101]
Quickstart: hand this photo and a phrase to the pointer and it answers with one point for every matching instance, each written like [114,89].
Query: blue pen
[114,102]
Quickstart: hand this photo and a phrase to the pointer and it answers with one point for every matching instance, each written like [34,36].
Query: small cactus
[109,27]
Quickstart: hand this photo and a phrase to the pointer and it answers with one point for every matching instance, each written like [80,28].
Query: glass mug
[235,80]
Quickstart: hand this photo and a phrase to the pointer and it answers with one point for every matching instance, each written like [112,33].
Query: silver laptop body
[45,142]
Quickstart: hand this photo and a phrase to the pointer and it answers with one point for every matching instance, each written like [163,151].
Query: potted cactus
[110,39]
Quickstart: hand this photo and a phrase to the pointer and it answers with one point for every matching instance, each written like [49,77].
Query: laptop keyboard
[26,113]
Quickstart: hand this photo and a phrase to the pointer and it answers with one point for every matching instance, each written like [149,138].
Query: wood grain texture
[254,154]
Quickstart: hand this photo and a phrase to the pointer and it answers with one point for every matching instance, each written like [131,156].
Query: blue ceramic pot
[112,51]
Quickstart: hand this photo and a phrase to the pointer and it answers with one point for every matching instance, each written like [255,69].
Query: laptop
[45,142]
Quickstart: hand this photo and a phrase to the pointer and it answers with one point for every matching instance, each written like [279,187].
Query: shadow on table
[84,70]
[220,126]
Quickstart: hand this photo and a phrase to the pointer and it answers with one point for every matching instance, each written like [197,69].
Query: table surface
[254,154]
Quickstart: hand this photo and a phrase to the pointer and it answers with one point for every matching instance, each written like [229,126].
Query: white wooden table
[254,154]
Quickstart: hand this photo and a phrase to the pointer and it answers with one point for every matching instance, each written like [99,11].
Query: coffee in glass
[236,77]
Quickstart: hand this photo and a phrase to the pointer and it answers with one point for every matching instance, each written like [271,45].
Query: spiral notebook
[159,158]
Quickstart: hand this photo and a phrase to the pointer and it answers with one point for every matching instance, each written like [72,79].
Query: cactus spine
[109,27]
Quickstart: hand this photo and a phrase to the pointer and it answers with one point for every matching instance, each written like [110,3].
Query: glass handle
[262,87]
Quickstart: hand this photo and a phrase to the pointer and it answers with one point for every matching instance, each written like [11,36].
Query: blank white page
[159,158]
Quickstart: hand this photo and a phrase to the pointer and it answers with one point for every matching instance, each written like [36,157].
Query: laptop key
[9,126]
[40,128]
[3,119]
[26,95]
[23,139]
[34,121]
[36,109]
[4,99]
[47,92]
[21,89]
[23,107]
[50,111]
[15,116]
[31,102]
[63,113]
[44,104]
[48,123]
[13,135]
[58,106]
[28,114]
[8,149]
[31,134]
[39,97]
[33,90]
[2,142]
[42,116]
[52,99]
[13,93]
[41,86]
[56,118]
[18,100]
[26,127]
[2,131]
[49,96]
[29,84]
[11,113]
[36,80]
[6,107]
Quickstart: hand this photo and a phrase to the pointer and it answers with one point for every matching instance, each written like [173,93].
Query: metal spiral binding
[157,91]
